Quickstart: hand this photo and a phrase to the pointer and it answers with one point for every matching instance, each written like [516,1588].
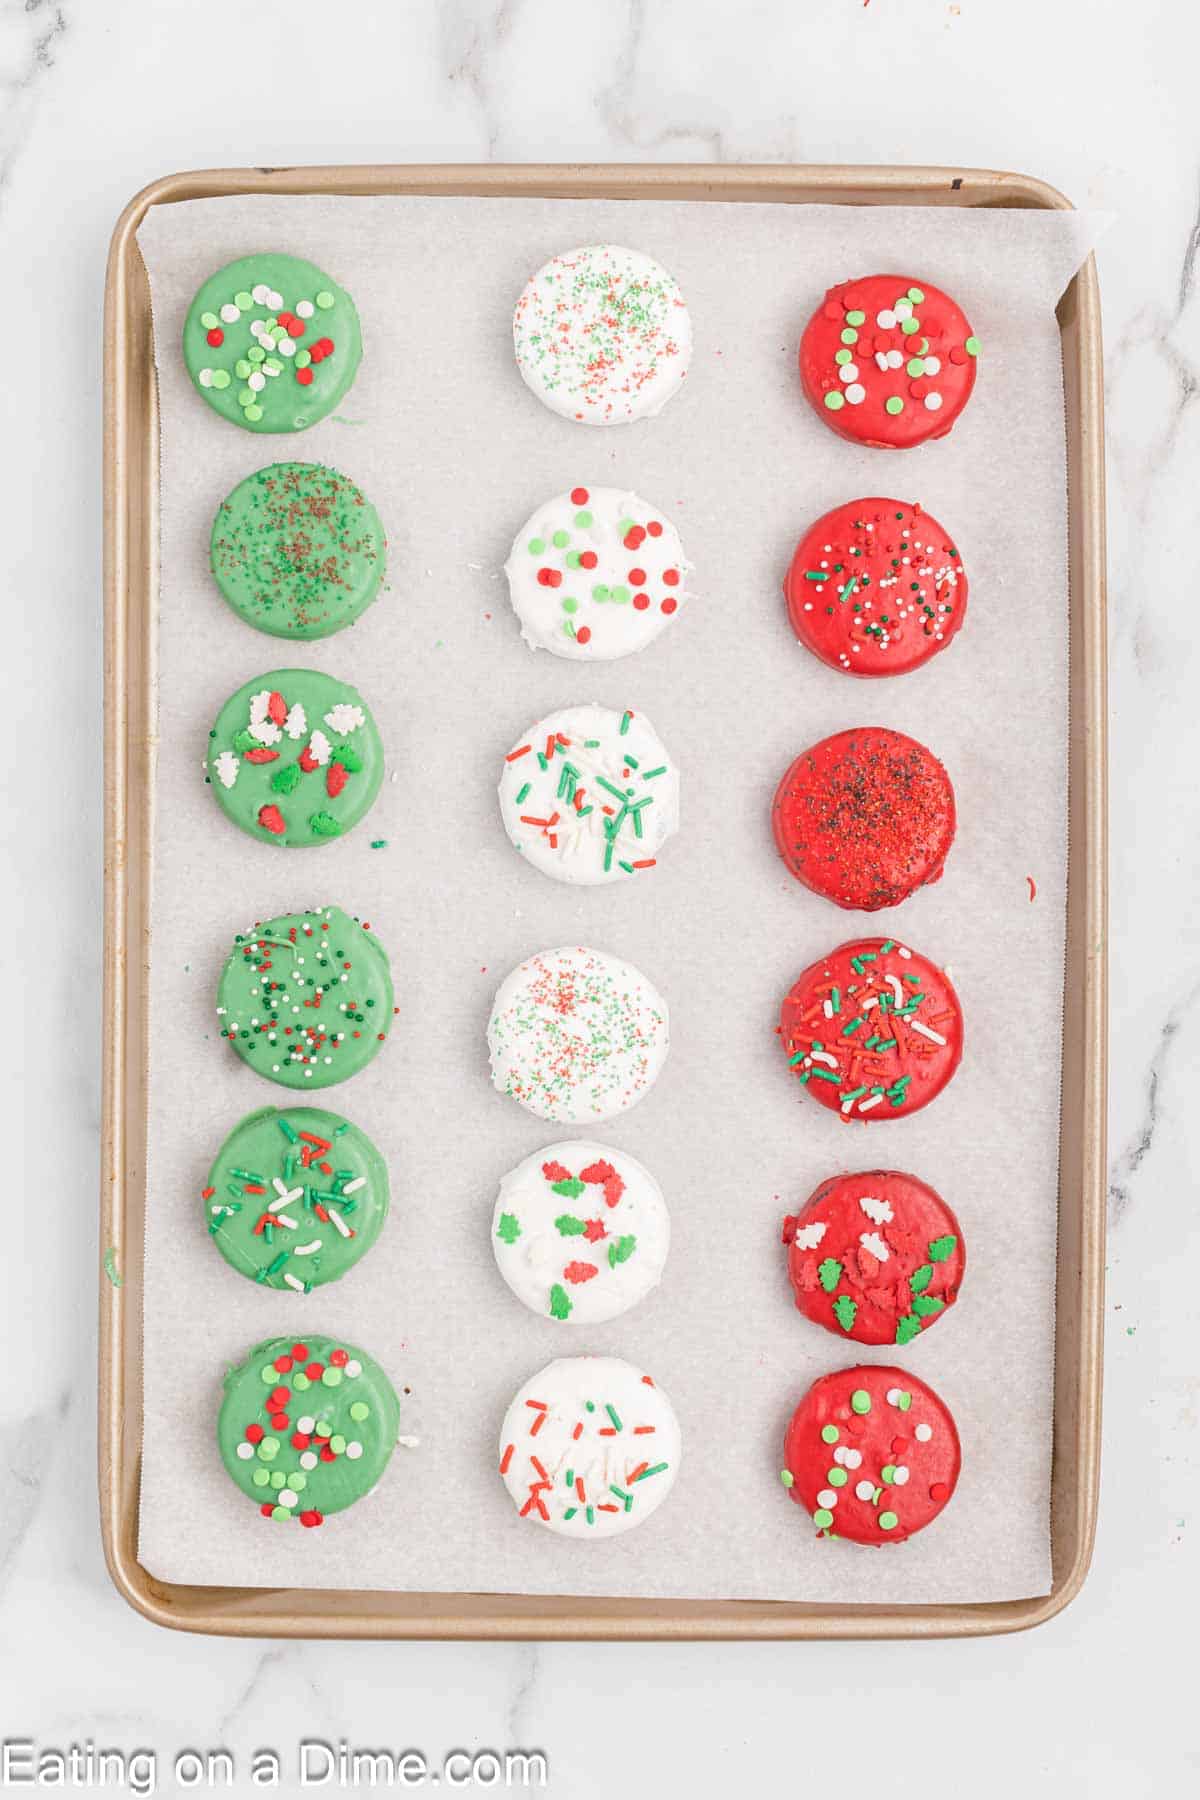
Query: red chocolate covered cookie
[875,588]
[873,1030]
[888,362]
[865,818]
[877,1256]
[871,1454]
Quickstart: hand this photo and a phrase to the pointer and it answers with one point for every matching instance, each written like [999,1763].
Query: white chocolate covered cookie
[602,335]
[577,1036]
[580,1232]
[589,1447]
[596,573]
[590,795]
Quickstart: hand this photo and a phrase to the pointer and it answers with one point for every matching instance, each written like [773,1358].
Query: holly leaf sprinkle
[569,1188]
[509,1228]
[943,1247]
[286,778]
[925,1305]
[560,1302]
[349,758]
[829,1273]
[844,1309]
[567,1225]
[907,1328]
[920,1278]
[620,1250]
[324,824]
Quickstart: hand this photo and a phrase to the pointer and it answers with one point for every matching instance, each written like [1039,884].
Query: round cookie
[589,795]
[876,588]
[307,1427]
[297,550]
[873,1030]
[295,1197]
[272,343]
[577,1036]
[580,1232]
[871,1454]
[865,818]
[596,573]
[888,362]
[295,757]
[876,1257]
[306,999]
[589,1447]
[602,335]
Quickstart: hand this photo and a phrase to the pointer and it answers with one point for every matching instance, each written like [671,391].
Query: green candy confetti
[845,1309]
[835,401]
[860,1401]
[787,1478]
[822,1519]
[888,1521]
[509,1229]
[829,1273]
[830,1434]
[942,1247]
[894,405]
[972,346]
[560,1302]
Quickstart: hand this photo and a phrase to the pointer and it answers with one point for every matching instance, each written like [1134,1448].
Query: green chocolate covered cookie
[272,343]
[295,758]
[307,1426]
[306,999]
[298,551]
[295,1197]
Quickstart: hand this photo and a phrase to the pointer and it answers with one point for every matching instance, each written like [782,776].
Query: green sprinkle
[842,357]
[915,366]
[835,1000]
[920,1278]
[830,1434]
[626,721]
[829,1273]
[925,1305]
[836,1477]
[888,1474]
[560,1302]
[656,1470]
[567,1225]
[822,1519]
[220,378]
[844,1309]
[908,326]
[942,1247]
[620,1250]
[856,318]
[254,413]
[894,405]
[301,359]
[849,336]
[888,1521]
[535,546]
[971,347]
[360,1411]
[834,400]
[787,1478]
[860,1401]
[110,1266]
[509,1228]
[612,1413]
[325,300]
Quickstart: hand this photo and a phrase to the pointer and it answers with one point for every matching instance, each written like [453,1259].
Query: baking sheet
[455,453]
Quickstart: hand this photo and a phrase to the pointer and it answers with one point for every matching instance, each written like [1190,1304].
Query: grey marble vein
[1129,1162]
[27,1450]
[39,28]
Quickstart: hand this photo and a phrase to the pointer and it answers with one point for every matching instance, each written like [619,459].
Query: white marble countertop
[99,96]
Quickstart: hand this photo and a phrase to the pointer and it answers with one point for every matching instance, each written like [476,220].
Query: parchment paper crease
[455,453]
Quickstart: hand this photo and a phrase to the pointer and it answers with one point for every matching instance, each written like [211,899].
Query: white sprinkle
[287,1196]
[901,951]
[933,365]
[926,1031]
[827,1005]
[286,1219]
[870,1101]
[229,312]
[855,394]
[923,1433]
[338,1221]
[409,1443]
[872,1242]
[205,377]
[878,1211]
[304,309]
[827,1497]
[893,982]
[227,766]
[809,1236]
[308,1460]
[294,1281]
[848,372]
[307,1249]
[319,748]
[297,723]
[932,402]
[245,1451]
[865,1490]
[354,1450]
[886,320]
[345,717]
[900,1475]
[823,1056]
[352,1187]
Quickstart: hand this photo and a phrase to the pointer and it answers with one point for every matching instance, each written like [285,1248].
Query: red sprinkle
[271,819]
[304,377]
[216,337]
[579,496]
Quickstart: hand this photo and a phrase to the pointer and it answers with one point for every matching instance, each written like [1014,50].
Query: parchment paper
[455,452]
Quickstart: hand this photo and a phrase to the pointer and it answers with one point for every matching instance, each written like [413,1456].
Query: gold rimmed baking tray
[131,481]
